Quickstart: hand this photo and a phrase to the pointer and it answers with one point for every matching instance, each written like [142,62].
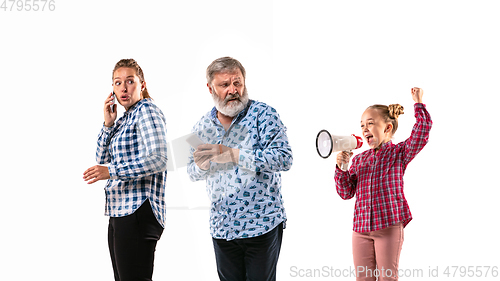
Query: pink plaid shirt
[377,179]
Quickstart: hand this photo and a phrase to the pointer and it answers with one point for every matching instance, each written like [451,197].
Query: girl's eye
[130,81]
[117,83]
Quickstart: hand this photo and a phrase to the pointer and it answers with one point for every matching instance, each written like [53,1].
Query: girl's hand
[416,94]
[343,157]
[109,117]
[96,173]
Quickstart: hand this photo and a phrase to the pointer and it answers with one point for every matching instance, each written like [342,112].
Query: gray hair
[224,64]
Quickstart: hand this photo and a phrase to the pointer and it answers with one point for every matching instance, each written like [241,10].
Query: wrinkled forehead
[233,74]
[230,72]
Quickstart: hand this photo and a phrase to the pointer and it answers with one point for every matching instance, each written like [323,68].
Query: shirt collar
[136,105]
[383,146]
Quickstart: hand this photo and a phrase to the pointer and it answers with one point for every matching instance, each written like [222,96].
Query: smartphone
[194,140]
[114,101]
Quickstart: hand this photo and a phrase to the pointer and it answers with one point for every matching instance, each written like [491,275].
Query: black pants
[249,259]
[132,243]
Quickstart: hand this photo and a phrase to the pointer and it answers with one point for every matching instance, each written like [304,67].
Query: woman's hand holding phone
[110,110]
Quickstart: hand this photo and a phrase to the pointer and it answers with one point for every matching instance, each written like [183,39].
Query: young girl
[376,178]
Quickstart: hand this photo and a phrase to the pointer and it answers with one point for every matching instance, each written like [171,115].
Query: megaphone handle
[344,166]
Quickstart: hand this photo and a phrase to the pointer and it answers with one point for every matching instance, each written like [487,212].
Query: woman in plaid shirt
[135,148]
[376,179]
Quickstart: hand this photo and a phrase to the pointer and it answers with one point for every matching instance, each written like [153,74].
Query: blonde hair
[389,113]
[131,63]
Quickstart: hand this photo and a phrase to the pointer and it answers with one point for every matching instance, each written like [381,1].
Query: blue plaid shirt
[136,150]
[246,196]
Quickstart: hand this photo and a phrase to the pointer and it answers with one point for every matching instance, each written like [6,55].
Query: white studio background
[319,64]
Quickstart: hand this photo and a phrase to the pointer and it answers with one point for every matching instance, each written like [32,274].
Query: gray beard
[235,107]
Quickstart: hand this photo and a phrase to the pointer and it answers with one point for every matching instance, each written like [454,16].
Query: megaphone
[326,144]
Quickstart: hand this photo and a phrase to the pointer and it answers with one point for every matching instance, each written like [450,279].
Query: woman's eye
[130,81]
[118,83]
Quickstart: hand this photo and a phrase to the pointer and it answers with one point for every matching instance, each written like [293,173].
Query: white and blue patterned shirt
[136,150]
[246,196]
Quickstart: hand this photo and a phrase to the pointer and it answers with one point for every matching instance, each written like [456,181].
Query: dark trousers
[132,243]
[249,259]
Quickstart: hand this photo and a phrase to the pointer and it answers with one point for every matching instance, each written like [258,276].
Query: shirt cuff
[107,129]
[247,160]
[337,169]
[112,172]
[199,171]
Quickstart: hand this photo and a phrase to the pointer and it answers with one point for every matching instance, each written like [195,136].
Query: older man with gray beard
[245,150]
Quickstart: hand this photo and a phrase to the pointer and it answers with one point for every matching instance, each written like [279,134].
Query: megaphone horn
[326,144]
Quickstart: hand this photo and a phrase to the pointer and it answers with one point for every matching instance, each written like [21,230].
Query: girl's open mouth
[369,139]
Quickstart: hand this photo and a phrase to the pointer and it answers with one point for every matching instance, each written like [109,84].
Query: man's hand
[93,174]
[216,153]
[202,158]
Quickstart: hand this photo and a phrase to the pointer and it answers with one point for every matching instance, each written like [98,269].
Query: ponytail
[145,94]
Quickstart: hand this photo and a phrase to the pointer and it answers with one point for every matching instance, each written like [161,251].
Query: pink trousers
[376,253]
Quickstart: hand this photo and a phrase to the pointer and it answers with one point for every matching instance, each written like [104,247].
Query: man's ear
[209,88]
